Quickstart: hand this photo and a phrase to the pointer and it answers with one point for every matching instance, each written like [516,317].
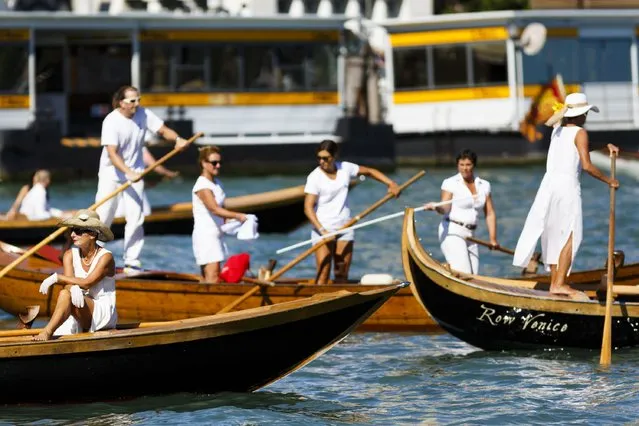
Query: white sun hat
[576,104]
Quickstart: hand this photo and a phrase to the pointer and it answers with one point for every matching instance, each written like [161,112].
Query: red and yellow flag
[541,108]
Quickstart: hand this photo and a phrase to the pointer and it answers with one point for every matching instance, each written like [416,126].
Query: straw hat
[89,219]
[575,105]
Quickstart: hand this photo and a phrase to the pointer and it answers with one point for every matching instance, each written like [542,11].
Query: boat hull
[238,352]
[494,316]
[161,296]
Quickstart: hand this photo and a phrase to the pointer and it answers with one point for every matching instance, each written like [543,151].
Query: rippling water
[391,378]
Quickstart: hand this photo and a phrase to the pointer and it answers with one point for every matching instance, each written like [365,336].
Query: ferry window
[322,67]
[559,56]
[489,63]
[49,69]
[410,68]
[225,67]
[450,66]
[261,69]
[155,60]
[604,60]
[13,68]
[110,65]
[189,68]
[292,63]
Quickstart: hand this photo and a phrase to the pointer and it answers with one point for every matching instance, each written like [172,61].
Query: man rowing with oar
[122,159]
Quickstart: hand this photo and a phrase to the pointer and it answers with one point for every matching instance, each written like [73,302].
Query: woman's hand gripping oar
[323,241]
[60,230]
[606,342]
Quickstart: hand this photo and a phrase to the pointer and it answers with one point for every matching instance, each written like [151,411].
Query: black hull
[494,315]
[487,326]
[280,219]
[237,361]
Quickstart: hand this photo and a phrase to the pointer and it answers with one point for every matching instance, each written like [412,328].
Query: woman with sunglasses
[209,215]
[87,300]
[326,206]
[122,159]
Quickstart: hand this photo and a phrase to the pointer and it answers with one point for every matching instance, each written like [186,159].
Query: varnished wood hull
[159,296]
[492,315]
[279,211]
[238,352]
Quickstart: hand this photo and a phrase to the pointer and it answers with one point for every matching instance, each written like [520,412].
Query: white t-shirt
[128,135]
[332,205]
[203,220]
[35,205]
[466,211]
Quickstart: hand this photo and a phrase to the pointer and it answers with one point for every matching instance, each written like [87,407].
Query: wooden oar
[606,342]
[499,248]
[60,230]
[314,248]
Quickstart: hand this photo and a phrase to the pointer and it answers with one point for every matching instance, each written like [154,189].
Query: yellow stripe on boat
[208,99]
[14,101]
[468,94]
[466,35]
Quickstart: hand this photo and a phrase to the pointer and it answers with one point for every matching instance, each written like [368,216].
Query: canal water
[388,378]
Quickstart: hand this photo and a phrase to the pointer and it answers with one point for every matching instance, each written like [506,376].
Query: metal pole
[135,58]
[31,70]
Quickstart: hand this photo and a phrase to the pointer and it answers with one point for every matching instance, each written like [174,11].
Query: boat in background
[167,295]
[234,352]
[278,211]
[501,314]
[626,165]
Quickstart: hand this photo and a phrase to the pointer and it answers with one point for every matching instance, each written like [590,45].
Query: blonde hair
[41,175]
[205,151]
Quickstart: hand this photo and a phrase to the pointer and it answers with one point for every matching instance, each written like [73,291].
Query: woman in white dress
[326,207]
[209,215]
[461,216]
[556,214]
[88,296]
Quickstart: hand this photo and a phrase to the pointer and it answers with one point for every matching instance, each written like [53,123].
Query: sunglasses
[323,158]
[80,231]
[214,162]
[132,100]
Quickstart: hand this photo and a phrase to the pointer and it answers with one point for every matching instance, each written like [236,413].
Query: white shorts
[346,236]
[208,248]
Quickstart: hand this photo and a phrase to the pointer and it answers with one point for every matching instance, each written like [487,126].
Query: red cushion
[235,267]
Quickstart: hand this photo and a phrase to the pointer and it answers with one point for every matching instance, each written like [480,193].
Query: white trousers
[460,254]
[132,201]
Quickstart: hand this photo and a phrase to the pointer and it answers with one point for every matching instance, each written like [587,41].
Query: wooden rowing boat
[500,314]
[278,211]
[164,295]
[237,352]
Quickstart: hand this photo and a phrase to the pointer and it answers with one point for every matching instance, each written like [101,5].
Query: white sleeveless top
[102,292]
[563,156]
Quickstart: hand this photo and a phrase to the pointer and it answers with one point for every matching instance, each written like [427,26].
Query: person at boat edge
[326,207]
[122,160]
[209,215]
[556,215]
[470,195]
[87,301]
[35,204]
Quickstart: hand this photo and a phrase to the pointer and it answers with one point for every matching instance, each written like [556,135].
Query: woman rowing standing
[470,195]
[326,207]
[556,214]
[209,215]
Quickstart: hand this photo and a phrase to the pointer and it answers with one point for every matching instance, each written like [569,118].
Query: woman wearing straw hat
[556,214]
[88,296]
